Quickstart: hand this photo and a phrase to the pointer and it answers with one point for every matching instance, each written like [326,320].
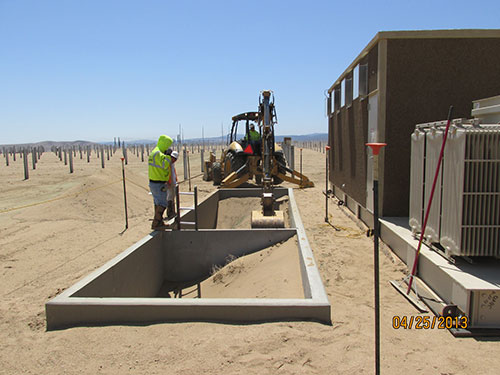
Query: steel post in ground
[189,170]
[195,208]
[70,162]
[25,162]
[202,161]
[124,152]
[14,153]
[102,157]
[301,176]
[6,158]
[376,230]
[178,216]
[184,163]
[326,183]
[33,158]
[124,193]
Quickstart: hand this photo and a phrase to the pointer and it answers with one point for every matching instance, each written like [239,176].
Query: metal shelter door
[372,137]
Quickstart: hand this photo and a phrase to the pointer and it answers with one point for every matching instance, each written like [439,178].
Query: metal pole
[33,158]
[301,168]
[7,158]
[178,216]
[376,274]
[102,157]
[376,225]
[326,184]
[70,162]
[124,193]
[25,162]
[184,163]
[195,208]
[189,170]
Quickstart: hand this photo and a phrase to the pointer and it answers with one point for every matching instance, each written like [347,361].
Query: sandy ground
[273,272]
[56,227]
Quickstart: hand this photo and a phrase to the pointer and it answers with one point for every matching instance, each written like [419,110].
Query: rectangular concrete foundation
[124,290]
[473,288]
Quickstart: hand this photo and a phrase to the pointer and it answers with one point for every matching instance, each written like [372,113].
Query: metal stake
[189,170]
[376,225]
[70,162]
[326,184]
[25,162]
[124,193]
[178,216]
[301,176]
[196,208]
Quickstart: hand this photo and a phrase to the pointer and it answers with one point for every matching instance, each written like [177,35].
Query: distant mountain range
[323,137]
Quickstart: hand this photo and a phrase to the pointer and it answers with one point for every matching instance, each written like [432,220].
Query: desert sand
[57,227]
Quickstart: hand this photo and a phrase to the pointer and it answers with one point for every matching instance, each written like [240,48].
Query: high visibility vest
[159,166]
[254,135]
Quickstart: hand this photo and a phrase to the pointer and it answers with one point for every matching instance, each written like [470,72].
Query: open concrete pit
[224,271]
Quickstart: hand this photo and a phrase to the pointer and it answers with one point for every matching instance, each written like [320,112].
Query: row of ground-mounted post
[25,152]
[311,145]
[289,152]
[140,150]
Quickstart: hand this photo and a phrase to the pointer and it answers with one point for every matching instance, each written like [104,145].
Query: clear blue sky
[96,69]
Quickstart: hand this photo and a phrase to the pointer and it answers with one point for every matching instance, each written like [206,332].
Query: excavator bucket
[261,221]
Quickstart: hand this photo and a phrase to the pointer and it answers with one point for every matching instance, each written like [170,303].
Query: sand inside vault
[273,272]
[236,213]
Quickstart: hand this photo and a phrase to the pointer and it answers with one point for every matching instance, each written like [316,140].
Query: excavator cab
[245,121]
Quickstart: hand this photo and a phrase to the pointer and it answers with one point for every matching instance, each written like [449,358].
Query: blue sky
[94,70]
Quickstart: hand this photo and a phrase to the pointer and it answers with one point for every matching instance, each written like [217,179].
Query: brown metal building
[401,79]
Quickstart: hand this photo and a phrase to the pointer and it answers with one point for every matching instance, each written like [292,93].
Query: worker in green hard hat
[253,134]
[159,173]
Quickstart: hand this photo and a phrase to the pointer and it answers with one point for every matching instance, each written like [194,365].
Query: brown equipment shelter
[400,79]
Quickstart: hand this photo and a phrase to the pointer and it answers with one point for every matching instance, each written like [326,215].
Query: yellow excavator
[256,156]
[249,158]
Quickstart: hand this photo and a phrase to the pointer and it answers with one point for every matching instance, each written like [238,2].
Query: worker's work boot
[158,219]
[170,210]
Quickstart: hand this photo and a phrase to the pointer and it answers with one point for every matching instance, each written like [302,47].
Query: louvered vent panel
[470,217]
[465,213]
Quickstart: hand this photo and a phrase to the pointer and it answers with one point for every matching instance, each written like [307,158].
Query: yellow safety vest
[158,162]
[254,135]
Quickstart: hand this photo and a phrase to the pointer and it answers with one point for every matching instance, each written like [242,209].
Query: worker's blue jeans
[159,191]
